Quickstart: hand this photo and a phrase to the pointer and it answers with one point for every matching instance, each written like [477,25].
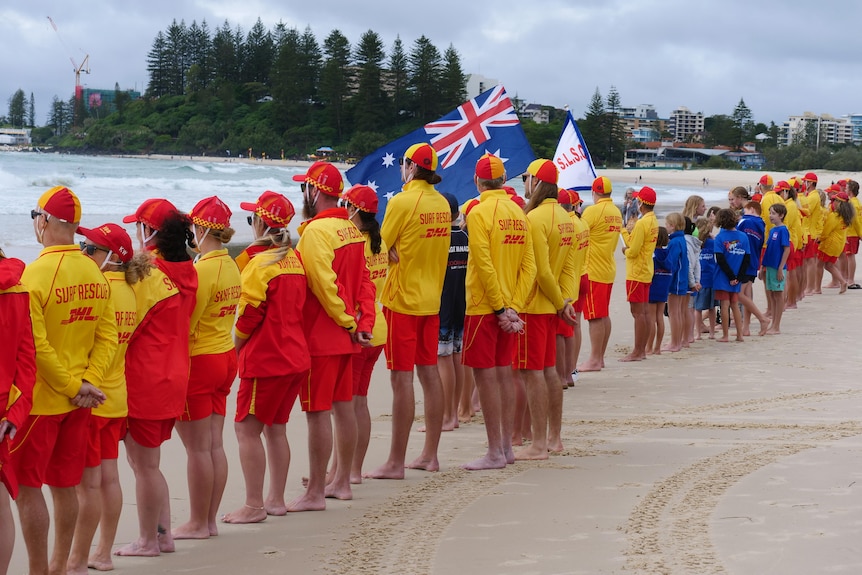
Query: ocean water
[110,188]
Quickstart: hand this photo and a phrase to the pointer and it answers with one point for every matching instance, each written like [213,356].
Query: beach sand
[723,458]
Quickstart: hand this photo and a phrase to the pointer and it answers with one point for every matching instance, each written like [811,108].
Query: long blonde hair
[279,239]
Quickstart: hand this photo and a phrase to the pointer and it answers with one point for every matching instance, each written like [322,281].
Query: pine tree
[614,129]
[425,72]
[285,81]
[335,79]
[592,128]
[309,67]
[59,117]
[454,87]
[226,54]
[156,66]
[400,80]
[176,57]
[742,123]
[200,51]
[258,54]
[17,109]
[370,103]
[31,116]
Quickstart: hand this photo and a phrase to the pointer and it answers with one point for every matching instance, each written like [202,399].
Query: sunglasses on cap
[90,248]
[35,214]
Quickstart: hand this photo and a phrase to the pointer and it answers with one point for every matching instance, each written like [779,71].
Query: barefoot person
[157,364]
[75,337]
[605,223]
[732,252]
[213,368]
[553,234]
[17,377]
[100,499]
[339,318]
[416,229]
[500,273]
[638,249]
[775,258]
[273,356]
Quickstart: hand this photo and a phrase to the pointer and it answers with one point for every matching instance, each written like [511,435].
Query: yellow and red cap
[646,195]
[781,186]
[323,176]
[363,197]
[211,213]
[423,155]
[274,209]
[810,177]
[112,237]
[765,180]
[61,203]
[490,167]
[152,212]
[602,186]
[543,170]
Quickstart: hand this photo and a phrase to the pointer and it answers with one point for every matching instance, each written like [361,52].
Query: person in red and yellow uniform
[361,204]
[213,367]
[501,270]
[75,338]
[811,203]
[569,336]
[17,377]
[157,363]
[339,317]
[549,300]
[100,498]
[605,222]
[638,250]
[273,356]
[416,227]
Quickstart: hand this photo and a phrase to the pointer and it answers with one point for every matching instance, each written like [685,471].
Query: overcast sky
[702,54]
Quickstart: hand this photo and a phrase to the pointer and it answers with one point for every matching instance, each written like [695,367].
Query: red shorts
[794,260]
[722,295]
[826,259]
[363,367]
[210,378]
[536,345]
[565,329]
[637,292]
[485,344]
[597,304]
[578,304]
[810,250]
[330,379]
[104,439]
[51,449]
[269,399]
[851,246]
[150,433]
[411,340]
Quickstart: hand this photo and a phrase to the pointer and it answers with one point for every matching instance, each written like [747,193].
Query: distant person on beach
[157,364]
[17,377]
[500,272]
[605,223]
[100,498]
[213,367]
[732,252]
[75,337]
[658,293]
[339,317]
[638,248]
[416,227]
[273,358]
[775,258]
[630,208]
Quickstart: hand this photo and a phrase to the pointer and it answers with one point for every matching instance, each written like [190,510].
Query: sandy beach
[722,458]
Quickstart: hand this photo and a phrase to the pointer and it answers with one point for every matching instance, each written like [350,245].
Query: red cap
[602,186]
[841,197]
[490,167]
[152,212]
[363,197]
[61,203]
[112,237]
[756,197]
[423,155]
[275,210]
[781,186]
[543,170]
[325,177]
[211,213]
[810,177]
[646,195]
[765,180]
[568,197]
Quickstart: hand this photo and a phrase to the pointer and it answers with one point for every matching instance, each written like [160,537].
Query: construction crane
[83,67]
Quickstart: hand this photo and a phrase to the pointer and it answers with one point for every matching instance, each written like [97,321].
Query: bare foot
[213,527]
[723,339]
[342,494]
[739,339]
[633,357]
[486,462]
[555,446]
[590,366]
[671,348]
[517,440]
[275,508]
[306,502]
[843,288]
[76,571]
[190,531]
[764,328]
[772,331]
[421,429]
[166,542]
[426,463]
[136,549]
[386,471]
[100,564]
[245,514]
[451,425]
[790,306]
[531,453]
[509,455]
[356,479]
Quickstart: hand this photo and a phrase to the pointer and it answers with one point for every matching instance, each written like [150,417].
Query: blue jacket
[677,260]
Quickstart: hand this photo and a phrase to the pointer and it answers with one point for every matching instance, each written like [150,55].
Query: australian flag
[485,124]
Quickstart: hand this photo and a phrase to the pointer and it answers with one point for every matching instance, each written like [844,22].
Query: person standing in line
[811,203]
[17,377]
[775,258]
[416,227]
[500,273]
[732,252]
[273,358]
[157,364]
[338,314]
[605,223]
[75,338]
[213,367]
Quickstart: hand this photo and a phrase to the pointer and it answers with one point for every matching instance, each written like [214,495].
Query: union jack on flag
[486,124]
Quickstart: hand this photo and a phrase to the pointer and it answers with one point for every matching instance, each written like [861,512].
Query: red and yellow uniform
[605,223]
[768,199]
[833,237]
[640,245]
[814,221]
[17,359]
[274,361]
[363,364]
[582,244]
[854,230]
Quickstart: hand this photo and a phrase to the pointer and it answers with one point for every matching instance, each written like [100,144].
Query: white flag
[573,159]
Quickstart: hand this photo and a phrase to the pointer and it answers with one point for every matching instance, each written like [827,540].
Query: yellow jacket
[768,199]
[553,235]
[793,221]
[605,222]
[73,326]
[582,244]
[834,235]
[855,228]
[378,267]
[640,247]
[417,224]
[501,267]
[815,213]
[125,316]
[215,307]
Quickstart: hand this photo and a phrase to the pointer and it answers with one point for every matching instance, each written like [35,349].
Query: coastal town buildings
[817,130]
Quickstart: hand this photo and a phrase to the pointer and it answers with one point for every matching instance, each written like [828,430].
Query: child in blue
[704,299]
[754,227]
[677,261]
[774,262]
[732,253]
[658,292]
